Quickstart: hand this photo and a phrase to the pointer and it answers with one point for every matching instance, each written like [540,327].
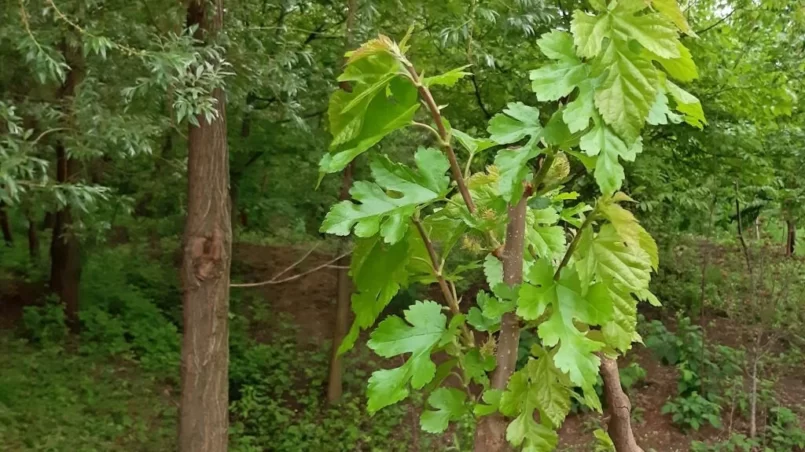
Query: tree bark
[490,435]
[65,253]
[203,412]
[5,226]
[619,408]
[344,294]
[344,284]
[791,237]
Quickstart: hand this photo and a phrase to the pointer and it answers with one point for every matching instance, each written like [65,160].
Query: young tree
[203,423]
[573,273]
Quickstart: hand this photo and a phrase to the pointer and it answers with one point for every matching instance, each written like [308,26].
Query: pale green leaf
[513,166]
[516,122]
[424,329]
[449,78]
[449,404]
[379,212]
[688,105]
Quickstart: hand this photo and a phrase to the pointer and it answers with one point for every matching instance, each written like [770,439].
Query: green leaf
[682,68]
[555,81]
[558,45]
[576,352]
[601,141]
[513,166]
[654,32]
[628,90]
[379,212]
[492,398]
[393,337]
[670,9]
[580,111]
[477,366]
[615,261]
[688,105]
[380,102]
[493,270]
[378,271]
[449,404]
[538,386]
[660,114]
[448,79]
[472,145]
[621,331]
[516,122]
[589,32]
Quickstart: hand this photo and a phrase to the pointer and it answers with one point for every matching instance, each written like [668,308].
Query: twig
[448,294]
[574,244]
[275,279]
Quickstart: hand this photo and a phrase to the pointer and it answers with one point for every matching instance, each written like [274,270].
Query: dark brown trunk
[203,419]
[344,284]
[791,237]
[344,294]
[33,240]
[618,407]
[65,257]
[490,436]
[47,222]
[5,226]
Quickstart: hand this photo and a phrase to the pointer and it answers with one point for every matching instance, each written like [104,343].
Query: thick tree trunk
[203,420]
[5,226]
[619,408]
[791,237]
[65,264]
[344,284]
[490,436]
[344,294]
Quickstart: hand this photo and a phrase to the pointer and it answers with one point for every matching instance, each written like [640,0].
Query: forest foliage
[526,189]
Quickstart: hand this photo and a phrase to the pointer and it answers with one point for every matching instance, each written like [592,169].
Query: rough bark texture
[344,284]
[203,420]
[65,257]
[490,436]
[618,407]
[791,238]
[5,226]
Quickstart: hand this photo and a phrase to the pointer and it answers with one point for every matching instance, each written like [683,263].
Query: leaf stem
[574,243]
[444,136]
[435,268]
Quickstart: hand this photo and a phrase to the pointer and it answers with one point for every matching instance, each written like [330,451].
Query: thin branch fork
[276,279]
[449,295]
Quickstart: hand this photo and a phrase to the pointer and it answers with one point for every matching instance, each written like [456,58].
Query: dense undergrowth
[114,387]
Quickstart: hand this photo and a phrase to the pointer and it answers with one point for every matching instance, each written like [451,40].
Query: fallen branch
[276,278]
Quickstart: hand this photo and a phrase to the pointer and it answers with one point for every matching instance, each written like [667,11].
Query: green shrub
[45,324]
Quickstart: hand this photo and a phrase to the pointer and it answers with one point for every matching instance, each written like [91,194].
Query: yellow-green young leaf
[670,9]
[379,212]
[472,145]
[493,270]
[476,366]
[380,46]
[449,78]
[424,330]
[589,32]
[654,32]
[621,331]
[682,68]
[375,283]
[516,122]
[605,443]
[450,405]
[687,104]
[615,261]
[538,386]
[628,91]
